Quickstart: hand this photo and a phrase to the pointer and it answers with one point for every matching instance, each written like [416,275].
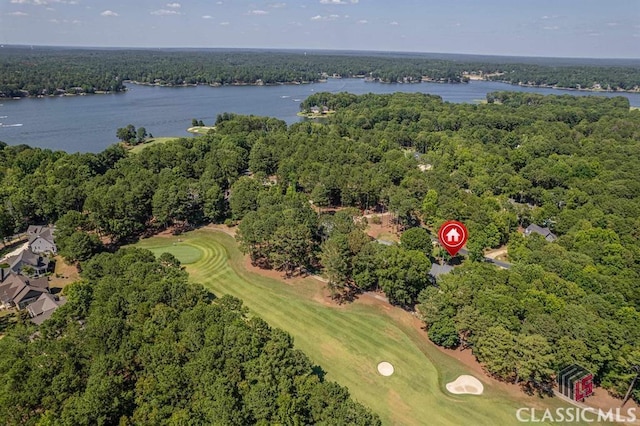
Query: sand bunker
[385,368]
[466,385]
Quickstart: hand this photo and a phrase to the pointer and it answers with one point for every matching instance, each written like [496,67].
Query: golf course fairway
[349,341]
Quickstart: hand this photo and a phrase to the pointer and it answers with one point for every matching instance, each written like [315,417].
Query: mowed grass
[155,141]
[349,341]
[186,253]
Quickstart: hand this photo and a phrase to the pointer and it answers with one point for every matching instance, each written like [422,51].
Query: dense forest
[567,163]
[137,344]
[54,71]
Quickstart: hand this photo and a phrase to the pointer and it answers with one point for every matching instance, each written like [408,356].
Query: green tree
[402,274]
[141,135]
[443,333]
[416,239]
[336,259]
[126,134]
[80,246]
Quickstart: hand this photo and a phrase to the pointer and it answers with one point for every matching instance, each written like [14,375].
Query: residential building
[18,290]
[43,308]
[545,232]
[41,239]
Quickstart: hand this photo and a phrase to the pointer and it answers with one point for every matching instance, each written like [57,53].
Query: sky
[551,28]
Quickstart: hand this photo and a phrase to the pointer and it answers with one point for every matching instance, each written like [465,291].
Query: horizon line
[300,49]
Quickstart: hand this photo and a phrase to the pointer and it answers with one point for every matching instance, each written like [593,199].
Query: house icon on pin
[453,236]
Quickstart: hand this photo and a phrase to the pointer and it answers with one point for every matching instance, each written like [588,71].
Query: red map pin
[453,236]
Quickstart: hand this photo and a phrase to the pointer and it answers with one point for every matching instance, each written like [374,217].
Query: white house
[41,239]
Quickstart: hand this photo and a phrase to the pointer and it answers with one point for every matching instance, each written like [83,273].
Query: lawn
[186,253]
[155,141]
[349,341]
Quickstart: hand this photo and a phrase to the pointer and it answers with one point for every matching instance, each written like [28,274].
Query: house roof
[45,302]
[437,269]
[545,232]
[28,257]
[16,288]
[34,229]
[42,309]
[43,232]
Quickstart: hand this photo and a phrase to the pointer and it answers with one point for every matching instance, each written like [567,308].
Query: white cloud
[207,17]
[258,12]
[65,21]
[109,13]
[325,18]
[174,5]
[165,12]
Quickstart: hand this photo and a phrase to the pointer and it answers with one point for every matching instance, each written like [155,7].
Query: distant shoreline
[295,83]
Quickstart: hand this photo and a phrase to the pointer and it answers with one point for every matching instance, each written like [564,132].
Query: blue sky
[560,28]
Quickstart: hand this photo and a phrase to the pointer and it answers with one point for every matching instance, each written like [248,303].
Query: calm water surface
[89,123]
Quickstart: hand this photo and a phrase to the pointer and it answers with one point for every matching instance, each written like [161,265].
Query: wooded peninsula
[42,71]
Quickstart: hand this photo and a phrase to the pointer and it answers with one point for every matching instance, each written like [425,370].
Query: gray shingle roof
[437,269]
[43,308]
[545,232]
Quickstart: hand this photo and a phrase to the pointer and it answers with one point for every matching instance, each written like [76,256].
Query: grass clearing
[349,341]
[155,141]
[186,253]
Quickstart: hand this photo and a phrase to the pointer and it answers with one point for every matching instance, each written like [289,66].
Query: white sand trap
[385,368]
[466,385]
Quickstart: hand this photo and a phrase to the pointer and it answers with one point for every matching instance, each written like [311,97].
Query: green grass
[186,253]
[155,141]
[349,341]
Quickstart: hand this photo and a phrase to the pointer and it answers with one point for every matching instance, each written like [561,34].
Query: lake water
[89,123]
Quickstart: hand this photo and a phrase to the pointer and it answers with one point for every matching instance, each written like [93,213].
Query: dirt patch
[64,274]
[385,230]
[223,228]
[500,253]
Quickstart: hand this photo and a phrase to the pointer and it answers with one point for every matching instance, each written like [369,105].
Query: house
[19,290]
[545,232]
[437,270]
[28,263]
[41,239]
[41,309]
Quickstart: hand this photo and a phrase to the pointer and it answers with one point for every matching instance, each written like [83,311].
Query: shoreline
[297,83]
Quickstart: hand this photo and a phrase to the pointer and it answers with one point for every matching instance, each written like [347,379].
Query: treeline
[136,343]
[568,163]
[46,71]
